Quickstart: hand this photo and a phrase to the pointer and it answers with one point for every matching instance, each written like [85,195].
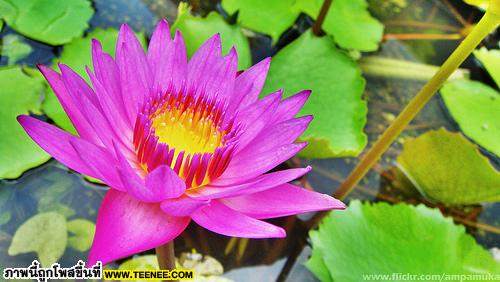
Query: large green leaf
[20,94]
[491,62]
[45,234]
[476,108]
[380,239]
[268,17]
[14,48]
[50,21]
[76,55]
[196,31]
[349,22]
[314,63]
[81,234]
[446,167]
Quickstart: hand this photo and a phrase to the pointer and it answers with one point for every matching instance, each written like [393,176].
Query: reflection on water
[53,187]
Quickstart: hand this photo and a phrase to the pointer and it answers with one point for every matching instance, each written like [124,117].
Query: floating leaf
[476,108]
[14,48]
[196,31]
[268,17]
[45,234]
[380,239]
[20,94]
[76,55]
[349,22]
[50,21]
[81,234]
[314,63]
[491,62]
[448,168]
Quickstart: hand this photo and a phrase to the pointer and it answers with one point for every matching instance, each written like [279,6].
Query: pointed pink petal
[135,74]
[203,60]
[283,200]
[71,108]
[220,81]
[220,219]
[158,45]
[290,107]
[260,183]
[164,183]
[126,226]
[183,206]
[56,142]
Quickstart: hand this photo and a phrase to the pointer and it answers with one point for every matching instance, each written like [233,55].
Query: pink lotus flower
[178,140]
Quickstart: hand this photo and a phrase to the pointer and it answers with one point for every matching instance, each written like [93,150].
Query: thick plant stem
[166,256]
[487,24]
[321,17]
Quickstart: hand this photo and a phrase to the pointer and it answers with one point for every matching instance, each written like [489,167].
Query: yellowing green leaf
[339,111]
[476,108]
[20,94]
[268,17]
[491,62]
[50,21]
[380,239]
[482,4]
[45,234]
[349,22]
[196,30]
[446,167]
[81,234]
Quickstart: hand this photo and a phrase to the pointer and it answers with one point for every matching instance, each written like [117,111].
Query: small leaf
[349,22]
[20,94]
[81,234]
[268,17]
[491,62]
[76,55]
[196,31]
[476,108]
[380,239]
[50,21]
[339,111]
[14,48]
[446,167]
[45,234]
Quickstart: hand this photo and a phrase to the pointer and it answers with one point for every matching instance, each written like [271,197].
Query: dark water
[53,187]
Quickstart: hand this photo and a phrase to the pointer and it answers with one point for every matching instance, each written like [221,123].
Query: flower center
[191,135]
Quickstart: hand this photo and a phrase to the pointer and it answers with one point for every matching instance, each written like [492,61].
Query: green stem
[487,24]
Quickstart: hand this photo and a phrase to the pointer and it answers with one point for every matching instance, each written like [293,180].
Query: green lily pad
[339,111]
[349,22]
[14,48]
[380,239]
[53,22]
[446,167]
[268,17]
[476,108]
[491,62]
[45,234]
[76,55]
[20,94]
[81,234]
[146,262]
[196,30]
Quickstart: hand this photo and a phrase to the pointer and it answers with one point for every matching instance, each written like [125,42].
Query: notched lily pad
[476,108]
[446,167]
[336,102]
[349,22]
[268,17]
[196,30]
[81,234]
[20,94]
[53,22]
[45,234]
[378,239]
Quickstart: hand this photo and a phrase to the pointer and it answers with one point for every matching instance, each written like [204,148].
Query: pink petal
[164,183]
[203,60]
[71,108]
[220,219]
[283,200]
[158,45]
[56,142]
[260,183]
[126,226]
[290,107]
[219,82]
[183,206]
